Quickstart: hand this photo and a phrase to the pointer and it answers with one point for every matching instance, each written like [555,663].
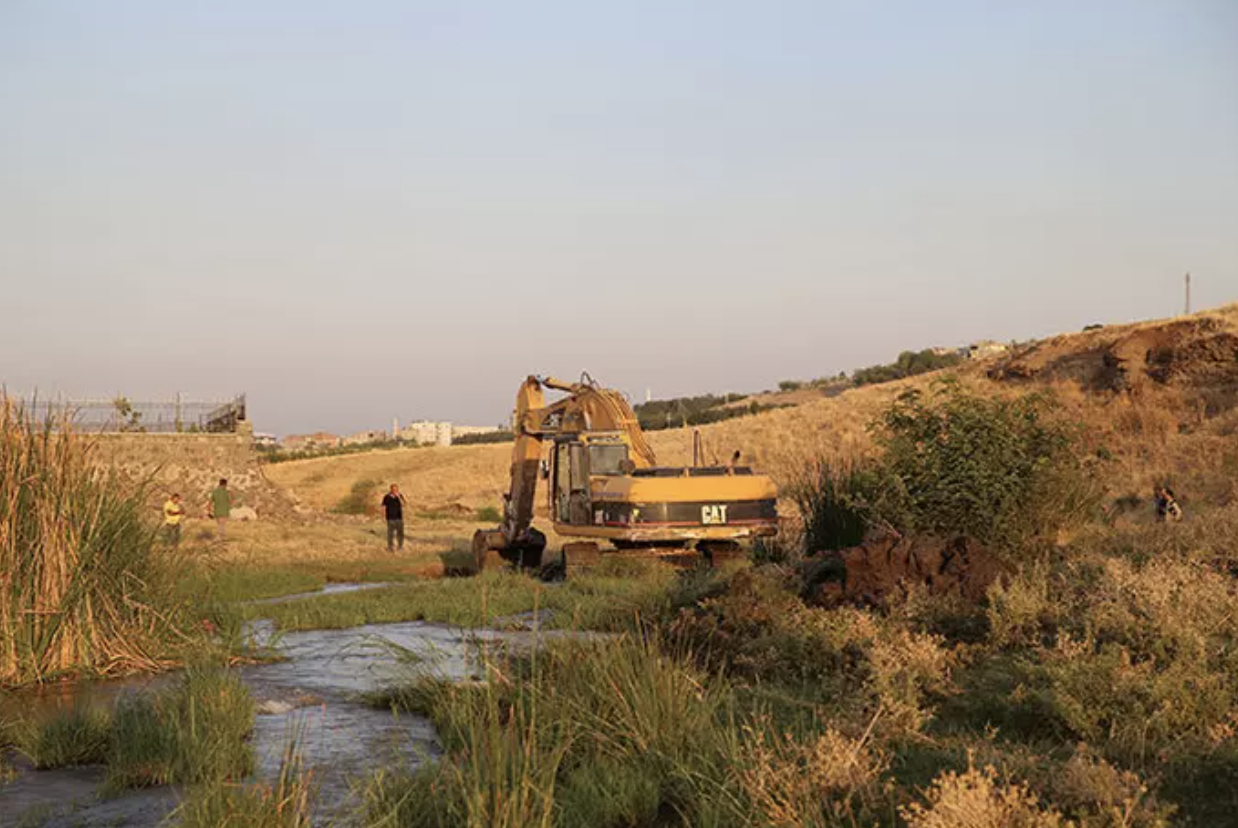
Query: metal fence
[124,415]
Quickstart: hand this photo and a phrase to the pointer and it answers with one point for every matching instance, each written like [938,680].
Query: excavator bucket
[490,550]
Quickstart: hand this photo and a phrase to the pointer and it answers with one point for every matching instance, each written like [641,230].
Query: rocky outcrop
[888,564]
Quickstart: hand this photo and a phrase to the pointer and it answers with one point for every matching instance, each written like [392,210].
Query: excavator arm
[587,407]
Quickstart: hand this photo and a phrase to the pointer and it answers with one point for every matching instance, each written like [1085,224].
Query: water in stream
[316,685]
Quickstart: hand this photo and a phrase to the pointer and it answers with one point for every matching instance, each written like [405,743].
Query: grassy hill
[1160,396]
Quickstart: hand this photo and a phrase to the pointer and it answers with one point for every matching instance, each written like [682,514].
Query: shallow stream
[316,688]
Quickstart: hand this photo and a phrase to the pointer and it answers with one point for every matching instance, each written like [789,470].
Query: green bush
[360,500]
[1004,472]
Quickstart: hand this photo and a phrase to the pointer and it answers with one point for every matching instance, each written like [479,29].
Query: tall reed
[84,584]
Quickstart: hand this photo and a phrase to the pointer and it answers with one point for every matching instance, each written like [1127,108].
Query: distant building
[310,442]
[438,432]
[986,348]
[427,433]
[265,441]
[362,437]
[465,431]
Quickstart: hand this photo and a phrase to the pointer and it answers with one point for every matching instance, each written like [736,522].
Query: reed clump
[84,583]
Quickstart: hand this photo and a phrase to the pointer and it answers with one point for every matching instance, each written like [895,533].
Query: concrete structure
[427,433]
[264,440]
[464,431]
[986,348]
[224,453]
[362,437]
[437,432]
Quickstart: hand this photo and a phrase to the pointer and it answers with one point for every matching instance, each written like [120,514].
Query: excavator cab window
[607,459]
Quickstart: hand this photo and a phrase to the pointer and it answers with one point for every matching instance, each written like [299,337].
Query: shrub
[489,514]
[977,799]
[1001,471]
[854,660]
[839,503]
[822,781]
[360,499]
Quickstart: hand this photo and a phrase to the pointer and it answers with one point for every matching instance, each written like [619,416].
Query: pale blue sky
[356,210]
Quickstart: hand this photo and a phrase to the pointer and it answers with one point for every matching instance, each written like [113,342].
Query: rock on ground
[887,564]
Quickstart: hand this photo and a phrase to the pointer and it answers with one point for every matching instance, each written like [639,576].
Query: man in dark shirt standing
[393,505]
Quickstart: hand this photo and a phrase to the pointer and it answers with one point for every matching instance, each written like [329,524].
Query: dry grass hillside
[1161,397]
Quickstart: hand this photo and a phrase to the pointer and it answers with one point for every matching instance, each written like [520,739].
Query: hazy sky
[359,210]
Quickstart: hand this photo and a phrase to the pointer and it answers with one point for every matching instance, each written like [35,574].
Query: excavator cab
[575,459]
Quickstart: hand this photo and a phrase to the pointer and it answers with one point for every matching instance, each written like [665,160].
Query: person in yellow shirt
[173,513]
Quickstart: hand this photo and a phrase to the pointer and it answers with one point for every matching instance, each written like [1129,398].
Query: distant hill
[1162,396]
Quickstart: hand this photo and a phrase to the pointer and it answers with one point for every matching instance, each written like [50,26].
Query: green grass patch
[195,731]
[78,736]
[237,583]
[489,514]
[608,597]
[614,733]
[286,802]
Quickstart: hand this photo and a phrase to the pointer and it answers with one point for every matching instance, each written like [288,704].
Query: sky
[354,211]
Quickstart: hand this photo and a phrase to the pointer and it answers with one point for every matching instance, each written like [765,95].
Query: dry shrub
[857,659]
[1020,608]
[1104,796]
[1165,608]
[1148,422]
[804,784]
[977,799]
[906,668]
[1134,709]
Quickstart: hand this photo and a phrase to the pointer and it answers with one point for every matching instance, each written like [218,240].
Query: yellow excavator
[604,484]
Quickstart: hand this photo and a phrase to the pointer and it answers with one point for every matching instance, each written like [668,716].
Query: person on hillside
[1167,508]
[173,512]
[393,508]
[219,506]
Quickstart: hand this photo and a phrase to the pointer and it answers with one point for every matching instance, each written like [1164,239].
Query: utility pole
[1188,293]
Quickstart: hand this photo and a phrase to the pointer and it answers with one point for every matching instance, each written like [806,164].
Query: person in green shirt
[219,505]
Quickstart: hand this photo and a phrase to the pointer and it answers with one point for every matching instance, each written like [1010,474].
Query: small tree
[1004,472]
[128,418]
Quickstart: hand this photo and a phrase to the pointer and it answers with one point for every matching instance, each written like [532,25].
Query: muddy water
[314,690]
